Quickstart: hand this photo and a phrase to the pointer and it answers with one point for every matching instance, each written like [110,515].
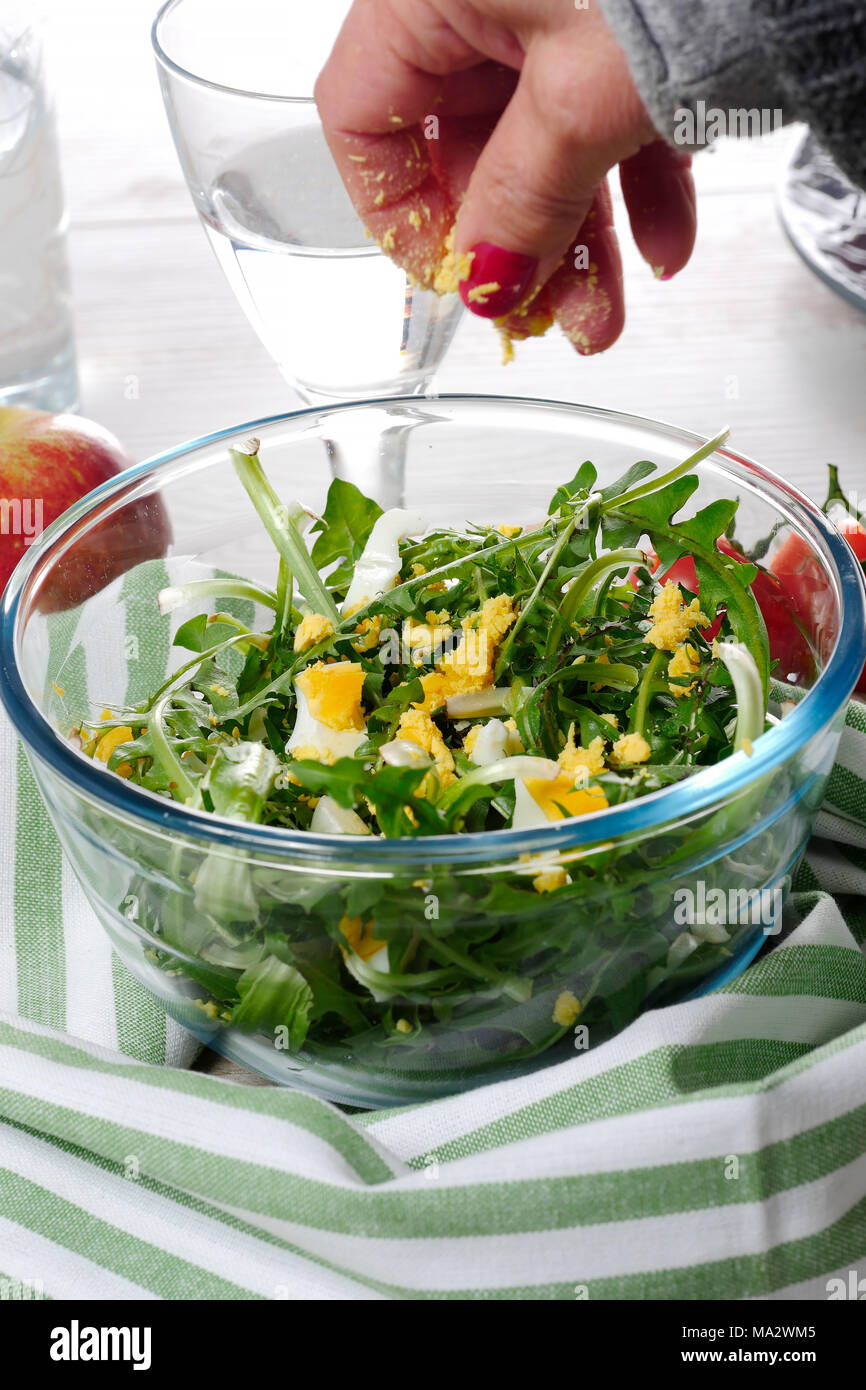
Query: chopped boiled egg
[403,752]
[363,952]
[582,763]
[566,1009]
[417,727]
[362,943]
[684,662]
[330,722]
[673,619]
[487,743]
[469,667]
[330,818]
[540,800]
[548,880]
[378,567]
[631,748]
[313,628]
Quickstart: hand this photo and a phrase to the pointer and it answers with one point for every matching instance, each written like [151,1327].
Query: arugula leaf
[582,482]
[345,526]
[199,634]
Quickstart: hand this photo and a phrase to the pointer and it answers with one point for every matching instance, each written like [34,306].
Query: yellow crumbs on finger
[453,268]
[479,294]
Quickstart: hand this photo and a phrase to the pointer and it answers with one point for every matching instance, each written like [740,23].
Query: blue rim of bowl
[712,787]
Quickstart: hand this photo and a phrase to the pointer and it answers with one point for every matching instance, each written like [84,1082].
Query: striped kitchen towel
[57,966]
[714,1149]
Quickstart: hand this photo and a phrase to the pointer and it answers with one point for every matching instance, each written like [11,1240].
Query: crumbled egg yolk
[422,638]
[673,619]
[610,719]
[417,726]
[507,344]
[566,1009]
[368,633]
[509,531]
[684,662]
[313,628]
[470,666]
[453,268]
[479,294]
[550,879]
[111,740]
[631,748]
[581,763]
[359,936]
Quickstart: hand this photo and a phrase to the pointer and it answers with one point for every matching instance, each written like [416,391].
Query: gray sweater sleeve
[803,58]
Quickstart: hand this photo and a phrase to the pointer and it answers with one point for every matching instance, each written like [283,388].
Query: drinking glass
[339,318]
[37,352]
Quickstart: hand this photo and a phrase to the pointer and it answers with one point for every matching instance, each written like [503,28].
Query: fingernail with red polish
[497,281]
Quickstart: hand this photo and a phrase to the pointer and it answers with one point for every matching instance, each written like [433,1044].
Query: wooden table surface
[745,335]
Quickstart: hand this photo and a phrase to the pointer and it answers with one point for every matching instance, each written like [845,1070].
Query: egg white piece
[330,818]
[528,815]
[402,752]
[490,744]
[378,566]
[329,744]
[495,741]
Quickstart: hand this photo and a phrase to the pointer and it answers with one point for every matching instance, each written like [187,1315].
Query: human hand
[505,115]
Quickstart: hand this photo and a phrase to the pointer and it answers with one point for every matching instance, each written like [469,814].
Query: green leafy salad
[415,681]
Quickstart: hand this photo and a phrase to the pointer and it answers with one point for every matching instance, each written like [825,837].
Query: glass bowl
[78,632]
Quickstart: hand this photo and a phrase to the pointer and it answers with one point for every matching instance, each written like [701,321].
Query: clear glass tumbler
[37,348]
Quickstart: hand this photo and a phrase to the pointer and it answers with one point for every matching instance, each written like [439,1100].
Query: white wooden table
[744,336]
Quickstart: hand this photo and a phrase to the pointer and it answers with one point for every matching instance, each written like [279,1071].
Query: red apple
[47,462]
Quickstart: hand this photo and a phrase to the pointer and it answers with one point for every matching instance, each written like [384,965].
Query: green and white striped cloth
[716,1149]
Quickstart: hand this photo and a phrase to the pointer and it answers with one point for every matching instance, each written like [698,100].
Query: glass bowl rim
[713,786]
[171,65]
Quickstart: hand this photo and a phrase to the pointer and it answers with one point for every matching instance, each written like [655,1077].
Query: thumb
[535,179]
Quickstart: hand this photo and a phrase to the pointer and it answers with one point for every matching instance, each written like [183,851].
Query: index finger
[404,163]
